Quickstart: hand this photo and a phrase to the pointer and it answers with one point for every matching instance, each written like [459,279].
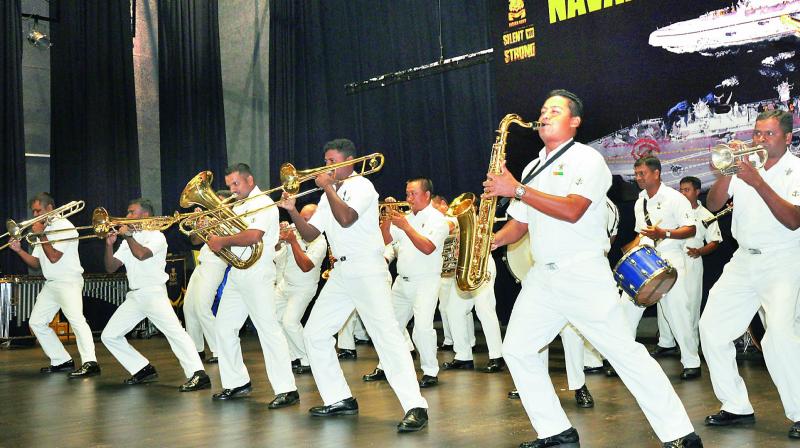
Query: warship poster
[672,79]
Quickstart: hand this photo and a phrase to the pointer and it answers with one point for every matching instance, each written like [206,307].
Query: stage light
[38,38]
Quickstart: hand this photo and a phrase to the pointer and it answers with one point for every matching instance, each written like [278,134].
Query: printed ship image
[748,22]
[683,144]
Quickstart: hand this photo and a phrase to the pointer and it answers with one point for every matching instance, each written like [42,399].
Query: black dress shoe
[690,440]
[664,351]
[212,360]
[295,363]
[301,369]
[284,399]
[568,436]
[458,364]
[690,373]
[348,406]
[414,420]
[89,368]
[198,381]
[495,365]
[362,341]
[584,398]
[376,375]
[445,348]
[794,431]
[236,392]
[428,381]
[514,394]
[610,371]
[145,374]
[725,418]
[63,367]
[347,354]
[593,370]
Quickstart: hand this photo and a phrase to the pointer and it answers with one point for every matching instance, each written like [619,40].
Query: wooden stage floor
[467,409]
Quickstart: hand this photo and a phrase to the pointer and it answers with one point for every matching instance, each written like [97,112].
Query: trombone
[16,231]
[725,156]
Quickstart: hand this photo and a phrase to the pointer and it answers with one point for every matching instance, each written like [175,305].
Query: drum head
[518,258]
[656,286]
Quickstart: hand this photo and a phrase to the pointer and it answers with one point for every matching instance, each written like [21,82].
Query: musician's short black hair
[651,162]
[145,204]
[241,168]
[784,119]
[424,182]
[691,180]
[575,103]
[44,199]
[346,147]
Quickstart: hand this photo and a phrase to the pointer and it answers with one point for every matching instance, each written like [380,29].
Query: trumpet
[387,206]
[16,231]
[725,156]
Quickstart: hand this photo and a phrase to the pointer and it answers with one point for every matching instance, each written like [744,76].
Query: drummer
[664,220]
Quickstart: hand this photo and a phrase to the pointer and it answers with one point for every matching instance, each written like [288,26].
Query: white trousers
[445,291]
[291,302]
[694,292]
[197,303]
[459,312]
[584,294]
[749,282]
[675,307]
[359,284]
[416,297]
[352,328]
[250,292]
[575,348]
[151,303]
[68,297]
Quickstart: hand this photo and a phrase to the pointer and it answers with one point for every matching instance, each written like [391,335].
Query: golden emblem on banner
[516,12]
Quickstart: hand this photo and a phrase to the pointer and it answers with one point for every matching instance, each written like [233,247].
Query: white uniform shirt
[266,220]
[68,267]
[288,270]
[207,256]
[703,235]
[668,209]
[754,226]
[431,224]
[150,272]
[581,171]
[363,238]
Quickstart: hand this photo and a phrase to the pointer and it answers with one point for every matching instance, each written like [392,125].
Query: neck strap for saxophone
[538,169]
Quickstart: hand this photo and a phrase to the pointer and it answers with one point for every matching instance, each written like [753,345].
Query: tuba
[475,232]
[218,220]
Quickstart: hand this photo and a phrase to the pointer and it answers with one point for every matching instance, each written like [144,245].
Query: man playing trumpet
[63,290]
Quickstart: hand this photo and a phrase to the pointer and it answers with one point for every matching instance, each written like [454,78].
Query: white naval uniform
[63,289]
[415,290]
[147,298]
[761,274]
[459,312]
[200,293]
[578,352]
[571,282]
[295,289]
[250,292]
[669,209]
[694,274]
[358,282]
[353,328]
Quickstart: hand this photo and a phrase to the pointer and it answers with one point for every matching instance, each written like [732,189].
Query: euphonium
[475,232]
[218,220]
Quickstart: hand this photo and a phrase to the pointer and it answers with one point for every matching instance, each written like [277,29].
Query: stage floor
[467,408]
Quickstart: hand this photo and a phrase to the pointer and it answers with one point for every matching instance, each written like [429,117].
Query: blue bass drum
[644,275]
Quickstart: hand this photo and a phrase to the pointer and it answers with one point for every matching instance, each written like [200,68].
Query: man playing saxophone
[562,206]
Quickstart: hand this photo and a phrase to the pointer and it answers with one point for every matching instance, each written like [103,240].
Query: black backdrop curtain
[94,145]
[12,136]
[441,126]
[191,110]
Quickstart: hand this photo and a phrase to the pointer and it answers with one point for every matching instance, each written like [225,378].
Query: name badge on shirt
[559,171]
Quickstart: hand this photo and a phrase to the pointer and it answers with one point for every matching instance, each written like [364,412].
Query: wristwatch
[668,234]
[519,192]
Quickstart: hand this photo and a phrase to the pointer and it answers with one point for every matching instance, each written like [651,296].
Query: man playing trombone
[144,254]
[63,290]
[249,291]
[761,274]
[348,214]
